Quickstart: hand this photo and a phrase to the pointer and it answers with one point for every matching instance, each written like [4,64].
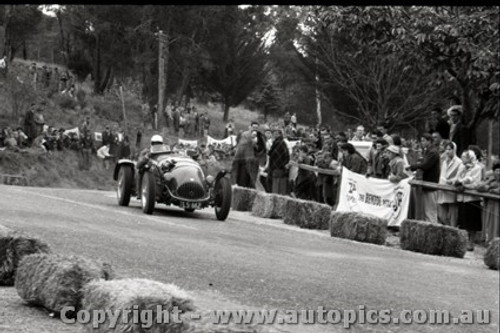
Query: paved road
[247,263]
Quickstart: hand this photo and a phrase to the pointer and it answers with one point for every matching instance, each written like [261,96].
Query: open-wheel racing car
[172,179]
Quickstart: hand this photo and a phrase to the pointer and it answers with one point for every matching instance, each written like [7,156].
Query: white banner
[230,140]
[363,147]
[188,143]
[98,136]
[378,197]
[73,130]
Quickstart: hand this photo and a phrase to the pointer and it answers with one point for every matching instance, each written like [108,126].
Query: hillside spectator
[287,119]
[103,153]
[469,207]
[125,151]
[353,160]
[182,124]
[325,183]
[430,173]
[175,117]
[205,124]
[39,119]
[447,201]
[293,120]
[229,129]
[106,136]
[279,157]
[86,147]
[479,156]
[138,138]
[456,128]
[29,123]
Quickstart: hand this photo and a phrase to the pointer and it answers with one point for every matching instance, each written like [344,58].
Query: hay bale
[320,218]
[206,325]
[491,257]
[279,206]
[432,238]
[359,227]
[136,295]
[13,247]
[299,212]
[243,198]
[263,205]
[55,281]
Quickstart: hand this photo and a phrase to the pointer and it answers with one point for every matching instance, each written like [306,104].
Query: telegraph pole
[161,81]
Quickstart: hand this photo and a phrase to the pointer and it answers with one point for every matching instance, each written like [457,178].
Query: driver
[155,147]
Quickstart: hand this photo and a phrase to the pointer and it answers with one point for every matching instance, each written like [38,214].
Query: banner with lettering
[230,140]
[188,143]
[378,197]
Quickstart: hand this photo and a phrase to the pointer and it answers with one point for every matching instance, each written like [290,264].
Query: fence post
[419,202]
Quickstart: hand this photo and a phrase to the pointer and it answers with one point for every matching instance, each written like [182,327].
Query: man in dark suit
[456,127]
[431,169]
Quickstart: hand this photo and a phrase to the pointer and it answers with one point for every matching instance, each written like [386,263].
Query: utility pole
[161,80]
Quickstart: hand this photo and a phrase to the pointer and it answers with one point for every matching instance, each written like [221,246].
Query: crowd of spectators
[263,160]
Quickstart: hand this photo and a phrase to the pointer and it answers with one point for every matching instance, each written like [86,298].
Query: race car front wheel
[148,195]
[222,198]
[125,182]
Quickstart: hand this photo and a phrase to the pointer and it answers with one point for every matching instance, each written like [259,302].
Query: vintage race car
[173,179]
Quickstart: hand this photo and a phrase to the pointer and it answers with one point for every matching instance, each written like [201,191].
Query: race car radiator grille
[191,190]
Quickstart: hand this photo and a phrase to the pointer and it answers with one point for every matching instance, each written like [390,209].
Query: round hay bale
[121,296]
[13,247]
[206,325]
[55,281]
[243,198]
[432,238]
[491,257]
[263,205]
[359,227]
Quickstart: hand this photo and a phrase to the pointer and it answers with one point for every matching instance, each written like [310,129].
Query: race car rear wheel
[148,196]
[222,198]
[125,182]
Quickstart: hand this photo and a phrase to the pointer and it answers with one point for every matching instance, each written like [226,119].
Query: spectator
[430,168]
[359,134]
[491,207]
[106,136]
[29,123]
[352,159]
[103,153]
[396,164]
[447,201]
[287,119]
[138,138]
[469,207]
[293,120]
[381,161]
[438,124]
[245,166]
[125,151]
[304,183]
[86,147]
[456,129]
[279,157]
[229,130]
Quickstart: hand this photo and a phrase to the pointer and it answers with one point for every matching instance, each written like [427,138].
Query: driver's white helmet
[156,139]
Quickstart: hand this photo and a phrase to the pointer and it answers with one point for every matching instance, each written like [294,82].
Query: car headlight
[209,179]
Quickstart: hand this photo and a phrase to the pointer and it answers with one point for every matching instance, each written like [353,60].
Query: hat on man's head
[455,108]
[394,149]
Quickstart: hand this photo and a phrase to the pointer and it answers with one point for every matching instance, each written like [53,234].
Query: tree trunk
[105,82]
[226,111]
[64,48]
[97,81]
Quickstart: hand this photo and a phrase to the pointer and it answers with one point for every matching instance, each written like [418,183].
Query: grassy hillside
[60,169]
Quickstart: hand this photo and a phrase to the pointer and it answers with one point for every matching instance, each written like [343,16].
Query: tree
[235,58]
[20,21]
[458,44]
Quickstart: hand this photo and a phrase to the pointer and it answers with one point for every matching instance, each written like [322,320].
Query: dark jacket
[429,165]
[459,138]
[279,156]
[356,163]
